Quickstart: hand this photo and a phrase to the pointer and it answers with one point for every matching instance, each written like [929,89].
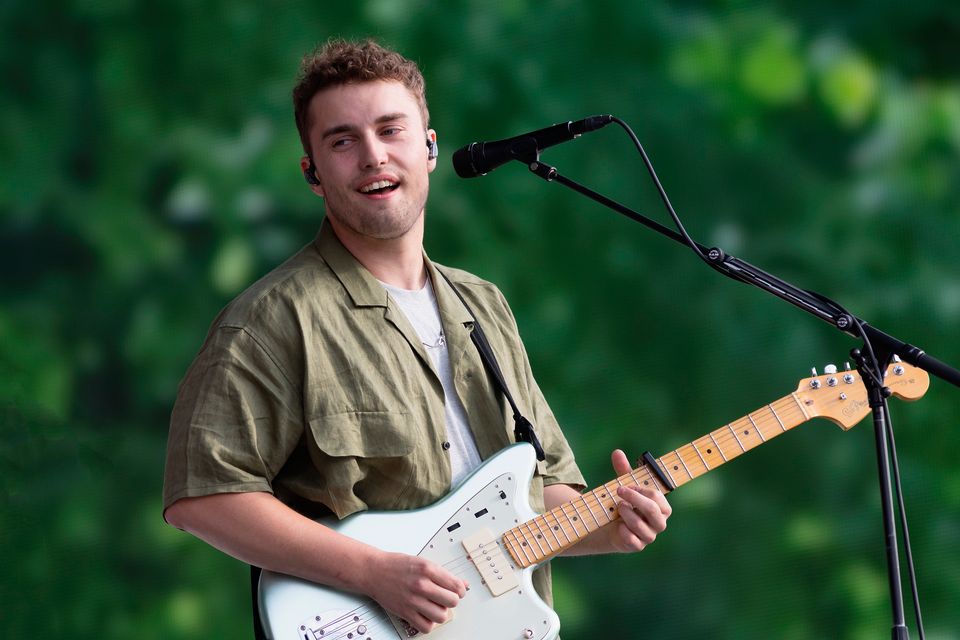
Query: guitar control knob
[830,369]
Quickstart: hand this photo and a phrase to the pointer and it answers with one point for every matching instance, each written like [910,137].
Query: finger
[636,539]
[446,580]
[620,463]
[660,499]
[640,510]
[441,597]
[419,622]
[431,611]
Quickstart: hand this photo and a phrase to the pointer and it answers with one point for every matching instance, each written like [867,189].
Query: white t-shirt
[420,308]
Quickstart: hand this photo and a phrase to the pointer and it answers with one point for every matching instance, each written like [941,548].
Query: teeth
[373,186]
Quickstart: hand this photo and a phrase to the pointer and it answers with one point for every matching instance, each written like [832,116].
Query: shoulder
[468,283]
[281,295]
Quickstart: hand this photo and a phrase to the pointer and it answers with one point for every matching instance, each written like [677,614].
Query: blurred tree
[148,173]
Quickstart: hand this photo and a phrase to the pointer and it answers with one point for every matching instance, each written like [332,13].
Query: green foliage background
[148,172]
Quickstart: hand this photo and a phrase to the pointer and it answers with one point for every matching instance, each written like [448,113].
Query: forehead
[361,104]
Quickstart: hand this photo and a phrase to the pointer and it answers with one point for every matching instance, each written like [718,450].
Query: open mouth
[379,187]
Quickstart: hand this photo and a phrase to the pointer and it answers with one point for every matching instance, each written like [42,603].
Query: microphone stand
[878,350]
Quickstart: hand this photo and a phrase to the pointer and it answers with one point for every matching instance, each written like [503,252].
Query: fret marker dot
[709,450]
[676,468]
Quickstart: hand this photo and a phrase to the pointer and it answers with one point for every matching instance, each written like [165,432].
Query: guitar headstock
[842,398]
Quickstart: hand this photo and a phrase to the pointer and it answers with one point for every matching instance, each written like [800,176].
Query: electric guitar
[485,532]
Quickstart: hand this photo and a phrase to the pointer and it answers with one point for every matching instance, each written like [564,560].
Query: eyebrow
[344,128]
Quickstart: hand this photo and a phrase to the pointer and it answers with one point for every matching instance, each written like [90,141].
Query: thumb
[620,463]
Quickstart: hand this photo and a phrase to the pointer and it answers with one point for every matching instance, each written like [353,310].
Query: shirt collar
[366,291]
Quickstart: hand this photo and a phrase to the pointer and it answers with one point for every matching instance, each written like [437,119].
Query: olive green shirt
[313,386]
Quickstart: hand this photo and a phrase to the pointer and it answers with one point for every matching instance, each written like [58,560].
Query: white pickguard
[494,497]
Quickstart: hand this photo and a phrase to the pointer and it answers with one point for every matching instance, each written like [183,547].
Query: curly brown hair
[343,62]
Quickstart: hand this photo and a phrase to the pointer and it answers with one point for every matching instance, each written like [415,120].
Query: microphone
[480,158]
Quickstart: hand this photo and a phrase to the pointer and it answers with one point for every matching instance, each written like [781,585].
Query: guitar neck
[557,530]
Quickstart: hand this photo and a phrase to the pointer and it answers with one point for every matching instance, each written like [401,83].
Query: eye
[390,131]
[341,143]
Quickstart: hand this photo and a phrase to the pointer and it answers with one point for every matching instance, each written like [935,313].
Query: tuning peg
[847,366]
[830,369]
[896,358]
[813,370]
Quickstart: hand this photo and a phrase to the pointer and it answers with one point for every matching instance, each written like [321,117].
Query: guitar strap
[523,428]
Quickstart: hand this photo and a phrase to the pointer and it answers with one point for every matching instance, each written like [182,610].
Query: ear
[432,161]
[310,175]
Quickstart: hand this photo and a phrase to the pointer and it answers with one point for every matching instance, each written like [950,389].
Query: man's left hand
[643,512]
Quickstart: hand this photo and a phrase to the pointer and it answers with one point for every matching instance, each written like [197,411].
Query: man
[346,380]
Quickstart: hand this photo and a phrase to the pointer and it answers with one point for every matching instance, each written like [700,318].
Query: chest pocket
[364,459]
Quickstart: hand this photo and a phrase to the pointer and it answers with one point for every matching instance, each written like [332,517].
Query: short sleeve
[236,420]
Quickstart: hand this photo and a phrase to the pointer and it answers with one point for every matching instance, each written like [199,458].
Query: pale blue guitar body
[501,603]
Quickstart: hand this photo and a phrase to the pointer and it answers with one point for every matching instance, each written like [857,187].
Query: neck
[396,261]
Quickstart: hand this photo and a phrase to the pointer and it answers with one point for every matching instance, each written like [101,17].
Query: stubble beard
[386,222]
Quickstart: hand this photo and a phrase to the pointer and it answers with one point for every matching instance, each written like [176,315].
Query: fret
[570,523]
[602,507]
[583,522]
[650,478]
[511,547]
[685,468]
[702,459]
[719,448]
[779,421]
[523,547]
[664,468]
[633,477]
[543,519]
[797,400]
[573,521]
[737,438]
[591,511]
[756,428]
[535,540]
[562,529]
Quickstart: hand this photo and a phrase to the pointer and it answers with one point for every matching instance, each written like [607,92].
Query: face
[370,152]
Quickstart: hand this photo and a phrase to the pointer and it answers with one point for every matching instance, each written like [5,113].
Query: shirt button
[446,446]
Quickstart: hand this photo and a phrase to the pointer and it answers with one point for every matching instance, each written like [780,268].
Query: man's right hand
[415,589]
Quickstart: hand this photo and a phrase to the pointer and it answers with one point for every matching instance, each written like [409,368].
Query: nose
[373,152]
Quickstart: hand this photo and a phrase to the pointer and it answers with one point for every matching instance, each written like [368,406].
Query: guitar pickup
[494,568]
